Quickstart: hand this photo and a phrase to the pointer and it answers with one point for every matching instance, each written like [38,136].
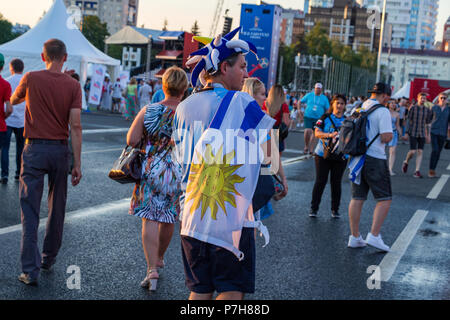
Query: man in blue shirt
[440,129]
[158,96]
[316,105]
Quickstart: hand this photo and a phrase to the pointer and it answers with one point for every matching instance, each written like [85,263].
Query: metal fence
[335,75]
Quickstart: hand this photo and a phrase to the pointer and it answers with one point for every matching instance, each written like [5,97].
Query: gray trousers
[37,161]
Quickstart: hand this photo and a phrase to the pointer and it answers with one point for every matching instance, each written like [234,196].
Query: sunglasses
[442,98]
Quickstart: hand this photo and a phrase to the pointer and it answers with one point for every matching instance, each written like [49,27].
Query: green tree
[368,58]
[95,31]
[195,30]
[317,41]
[336,49]
[6,33]
[115,51]
[287,71]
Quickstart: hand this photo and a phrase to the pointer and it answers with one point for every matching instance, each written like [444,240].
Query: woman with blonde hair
[276,107]
[255,88]
[155,198]
[131,93]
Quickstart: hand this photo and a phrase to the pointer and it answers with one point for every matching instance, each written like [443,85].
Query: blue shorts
[210,268]
[310,122]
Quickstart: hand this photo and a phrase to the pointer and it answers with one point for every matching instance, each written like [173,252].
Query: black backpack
[353,135]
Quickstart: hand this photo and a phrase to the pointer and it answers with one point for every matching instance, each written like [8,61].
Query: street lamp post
[297,63]
[380,46]
[149,57]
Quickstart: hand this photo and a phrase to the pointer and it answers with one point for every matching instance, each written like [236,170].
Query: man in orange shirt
[53,101]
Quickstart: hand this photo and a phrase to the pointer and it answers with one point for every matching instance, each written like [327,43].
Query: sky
[180,14]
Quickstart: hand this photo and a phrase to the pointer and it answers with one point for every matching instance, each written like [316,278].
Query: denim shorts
[374,176]
[210,268]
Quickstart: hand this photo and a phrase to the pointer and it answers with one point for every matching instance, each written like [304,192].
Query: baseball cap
[318,85]
[381,87]
[2,60]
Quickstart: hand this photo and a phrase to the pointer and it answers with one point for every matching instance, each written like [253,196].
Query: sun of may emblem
[212,182]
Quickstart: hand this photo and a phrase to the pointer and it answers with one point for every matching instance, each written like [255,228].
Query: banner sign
[429,86]
[98,75]
[124,78]
[261,26]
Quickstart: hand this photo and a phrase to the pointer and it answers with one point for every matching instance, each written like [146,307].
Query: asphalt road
[306,258]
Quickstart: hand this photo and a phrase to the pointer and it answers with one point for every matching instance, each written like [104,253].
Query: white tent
[57,23]
[403,92]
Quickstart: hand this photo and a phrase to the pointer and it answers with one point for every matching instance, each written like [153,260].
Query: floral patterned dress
[157,195]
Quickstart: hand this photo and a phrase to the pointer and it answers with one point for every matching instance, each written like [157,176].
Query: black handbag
[283,130]
[265,190]
[128,168]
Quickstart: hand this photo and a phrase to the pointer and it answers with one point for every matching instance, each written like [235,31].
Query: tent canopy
[403,92]
[56,24]
[136,36]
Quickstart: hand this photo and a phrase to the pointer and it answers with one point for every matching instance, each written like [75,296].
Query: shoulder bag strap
[372,109]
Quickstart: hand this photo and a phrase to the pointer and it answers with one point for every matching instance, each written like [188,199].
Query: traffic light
[227,25]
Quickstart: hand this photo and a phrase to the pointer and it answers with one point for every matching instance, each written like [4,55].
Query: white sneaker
[354,242]
[376,242]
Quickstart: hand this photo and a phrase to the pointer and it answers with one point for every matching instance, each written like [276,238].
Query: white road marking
[293,151]
[90,131]
[434,193]
[295,160]
[101,126]
[81,213]
[398,249]
[103,150]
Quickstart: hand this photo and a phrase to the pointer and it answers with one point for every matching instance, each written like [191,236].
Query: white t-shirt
[17,118]
[380,122]
[117,90]
[144,92]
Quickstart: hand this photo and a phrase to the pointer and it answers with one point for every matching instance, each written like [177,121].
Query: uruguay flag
[355,166]
[224,172]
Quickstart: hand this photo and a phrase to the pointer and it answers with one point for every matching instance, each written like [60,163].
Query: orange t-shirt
[49,97]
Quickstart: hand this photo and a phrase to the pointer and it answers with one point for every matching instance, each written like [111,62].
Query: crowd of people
[408,127]
[190,178]
[127,100]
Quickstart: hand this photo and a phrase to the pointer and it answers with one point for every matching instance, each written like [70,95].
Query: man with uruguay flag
[218,132]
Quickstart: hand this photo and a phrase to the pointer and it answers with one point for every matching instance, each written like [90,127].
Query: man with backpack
[375,132]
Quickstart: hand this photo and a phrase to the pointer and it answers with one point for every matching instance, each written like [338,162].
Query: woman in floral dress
[156,198]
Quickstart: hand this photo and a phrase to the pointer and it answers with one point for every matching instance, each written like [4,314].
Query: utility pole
[297,63]
[280,78]
[380,49]
[82,16]
[149,57]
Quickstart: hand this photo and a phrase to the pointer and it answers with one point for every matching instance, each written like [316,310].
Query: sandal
[151,280]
